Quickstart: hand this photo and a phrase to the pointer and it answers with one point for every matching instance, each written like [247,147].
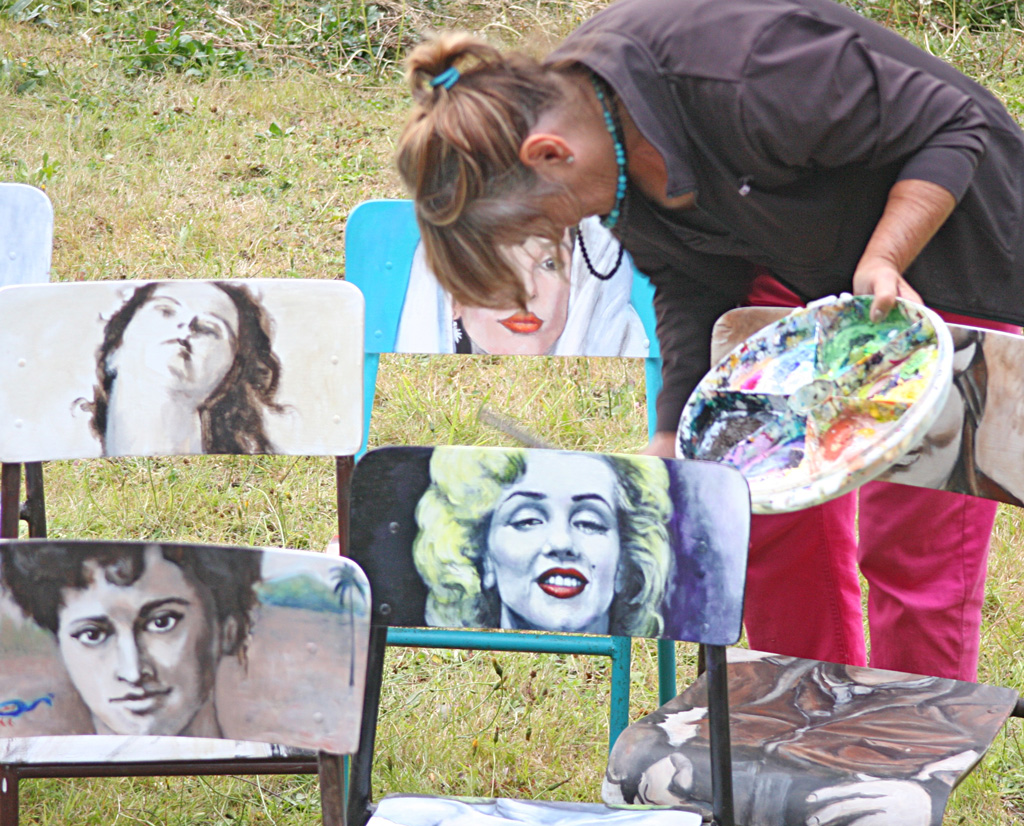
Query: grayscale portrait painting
[810,756]
[570,311]
[179,368]
[170,640]
[976,446]
[553,541]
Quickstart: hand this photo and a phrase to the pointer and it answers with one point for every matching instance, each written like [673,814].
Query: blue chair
[26,244]
[380,242]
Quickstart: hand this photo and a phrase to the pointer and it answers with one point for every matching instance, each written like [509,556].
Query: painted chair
[818,740]
[758,739]
[26,243]
[381,239]
[249,620]
[654,548]
[177,368]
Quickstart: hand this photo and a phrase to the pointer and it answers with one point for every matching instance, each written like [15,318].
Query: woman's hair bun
[459,49]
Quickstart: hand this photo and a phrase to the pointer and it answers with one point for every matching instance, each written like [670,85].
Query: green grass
[242,155]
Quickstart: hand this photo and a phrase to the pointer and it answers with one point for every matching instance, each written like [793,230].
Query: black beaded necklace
[611,122]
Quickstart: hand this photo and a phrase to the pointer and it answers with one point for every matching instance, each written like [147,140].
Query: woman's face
[545,275]
[142,656]
[553,545]
[184,336]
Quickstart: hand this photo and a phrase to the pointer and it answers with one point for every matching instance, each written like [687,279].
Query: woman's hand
[882,280]
[663,444]
[871,803]
[913,214]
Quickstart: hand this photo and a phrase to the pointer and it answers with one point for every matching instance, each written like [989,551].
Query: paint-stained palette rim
[821,401]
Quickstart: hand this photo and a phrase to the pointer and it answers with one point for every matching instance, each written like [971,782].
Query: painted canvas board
[570,311]
[807,740]
[459,537]
[976,445]
[162,641]
[180,367]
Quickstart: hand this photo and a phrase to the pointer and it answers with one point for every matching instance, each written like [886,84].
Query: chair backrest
[678,534]
[465,537]
[134,638]
[180,367]
[26,235]
[26,244]
[383,258]
[977,445]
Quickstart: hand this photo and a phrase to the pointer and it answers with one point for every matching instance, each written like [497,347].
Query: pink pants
[924,555]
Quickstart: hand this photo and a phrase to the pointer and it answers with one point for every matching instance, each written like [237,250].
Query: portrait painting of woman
[181,367]
[139,629]
[570,311]
[185,367]
[545,540]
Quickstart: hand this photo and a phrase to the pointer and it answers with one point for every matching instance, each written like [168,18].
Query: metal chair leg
[33,509]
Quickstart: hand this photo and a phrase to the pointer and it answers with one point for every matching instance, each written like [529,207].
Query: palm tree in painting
[347,584]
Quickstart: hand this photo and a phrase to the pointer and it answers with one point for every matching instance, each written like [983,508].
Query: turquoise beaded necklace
[611,123]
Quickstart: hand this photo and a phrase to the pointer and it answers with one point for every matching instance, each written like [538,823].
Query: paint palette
[821,401]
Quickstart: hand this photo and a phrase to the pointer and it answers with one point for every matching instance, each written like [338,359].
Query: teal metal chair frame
[380,240]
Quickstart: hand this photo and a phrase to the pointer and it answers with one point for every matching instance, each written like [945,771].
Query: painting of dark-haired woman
[185,367]
[182,367]
[158,640]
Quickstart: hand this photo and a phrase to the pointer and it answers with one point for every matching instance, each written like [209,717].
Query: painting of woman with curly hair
[181,367]
[140,629]
[545,540]
[155,640]
[552,540]
[185,367]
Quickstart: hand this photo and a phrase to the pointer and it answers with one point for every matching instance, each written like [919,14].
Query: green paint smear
[917,363]
[857,340]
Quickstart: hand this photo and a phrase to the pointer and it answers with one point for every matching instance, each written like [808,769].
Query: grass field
[179,139]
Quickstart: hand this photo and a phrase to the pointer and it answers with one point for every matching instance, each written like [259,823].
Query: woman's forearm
[913,214]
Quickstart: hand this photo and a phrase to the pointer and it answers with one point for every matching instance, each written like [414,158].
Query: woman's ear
[229,636]
[543,150]
[487,577]
[620,578]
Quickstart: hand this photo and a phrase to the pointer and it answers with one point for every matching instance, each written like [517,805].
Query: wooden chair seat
[418,810]
[814,739]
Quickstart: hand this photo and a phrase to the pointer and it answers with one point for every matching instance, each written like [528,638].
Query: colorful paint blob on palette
[813,396]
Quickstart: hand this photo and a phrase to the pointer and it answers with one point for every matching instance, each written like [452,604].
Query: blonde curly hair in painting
[459,158]
[454,516]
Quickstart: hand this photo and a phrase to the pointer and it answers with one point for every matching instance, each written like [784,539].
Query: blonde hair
[454,518]
[459,158]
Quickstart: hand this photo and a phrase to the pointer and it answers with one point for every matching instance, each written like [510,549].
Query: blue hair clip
[448,78]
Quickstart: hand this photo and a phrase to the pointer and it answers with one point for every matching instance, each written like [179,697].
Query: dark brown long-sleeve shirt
[790,120]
